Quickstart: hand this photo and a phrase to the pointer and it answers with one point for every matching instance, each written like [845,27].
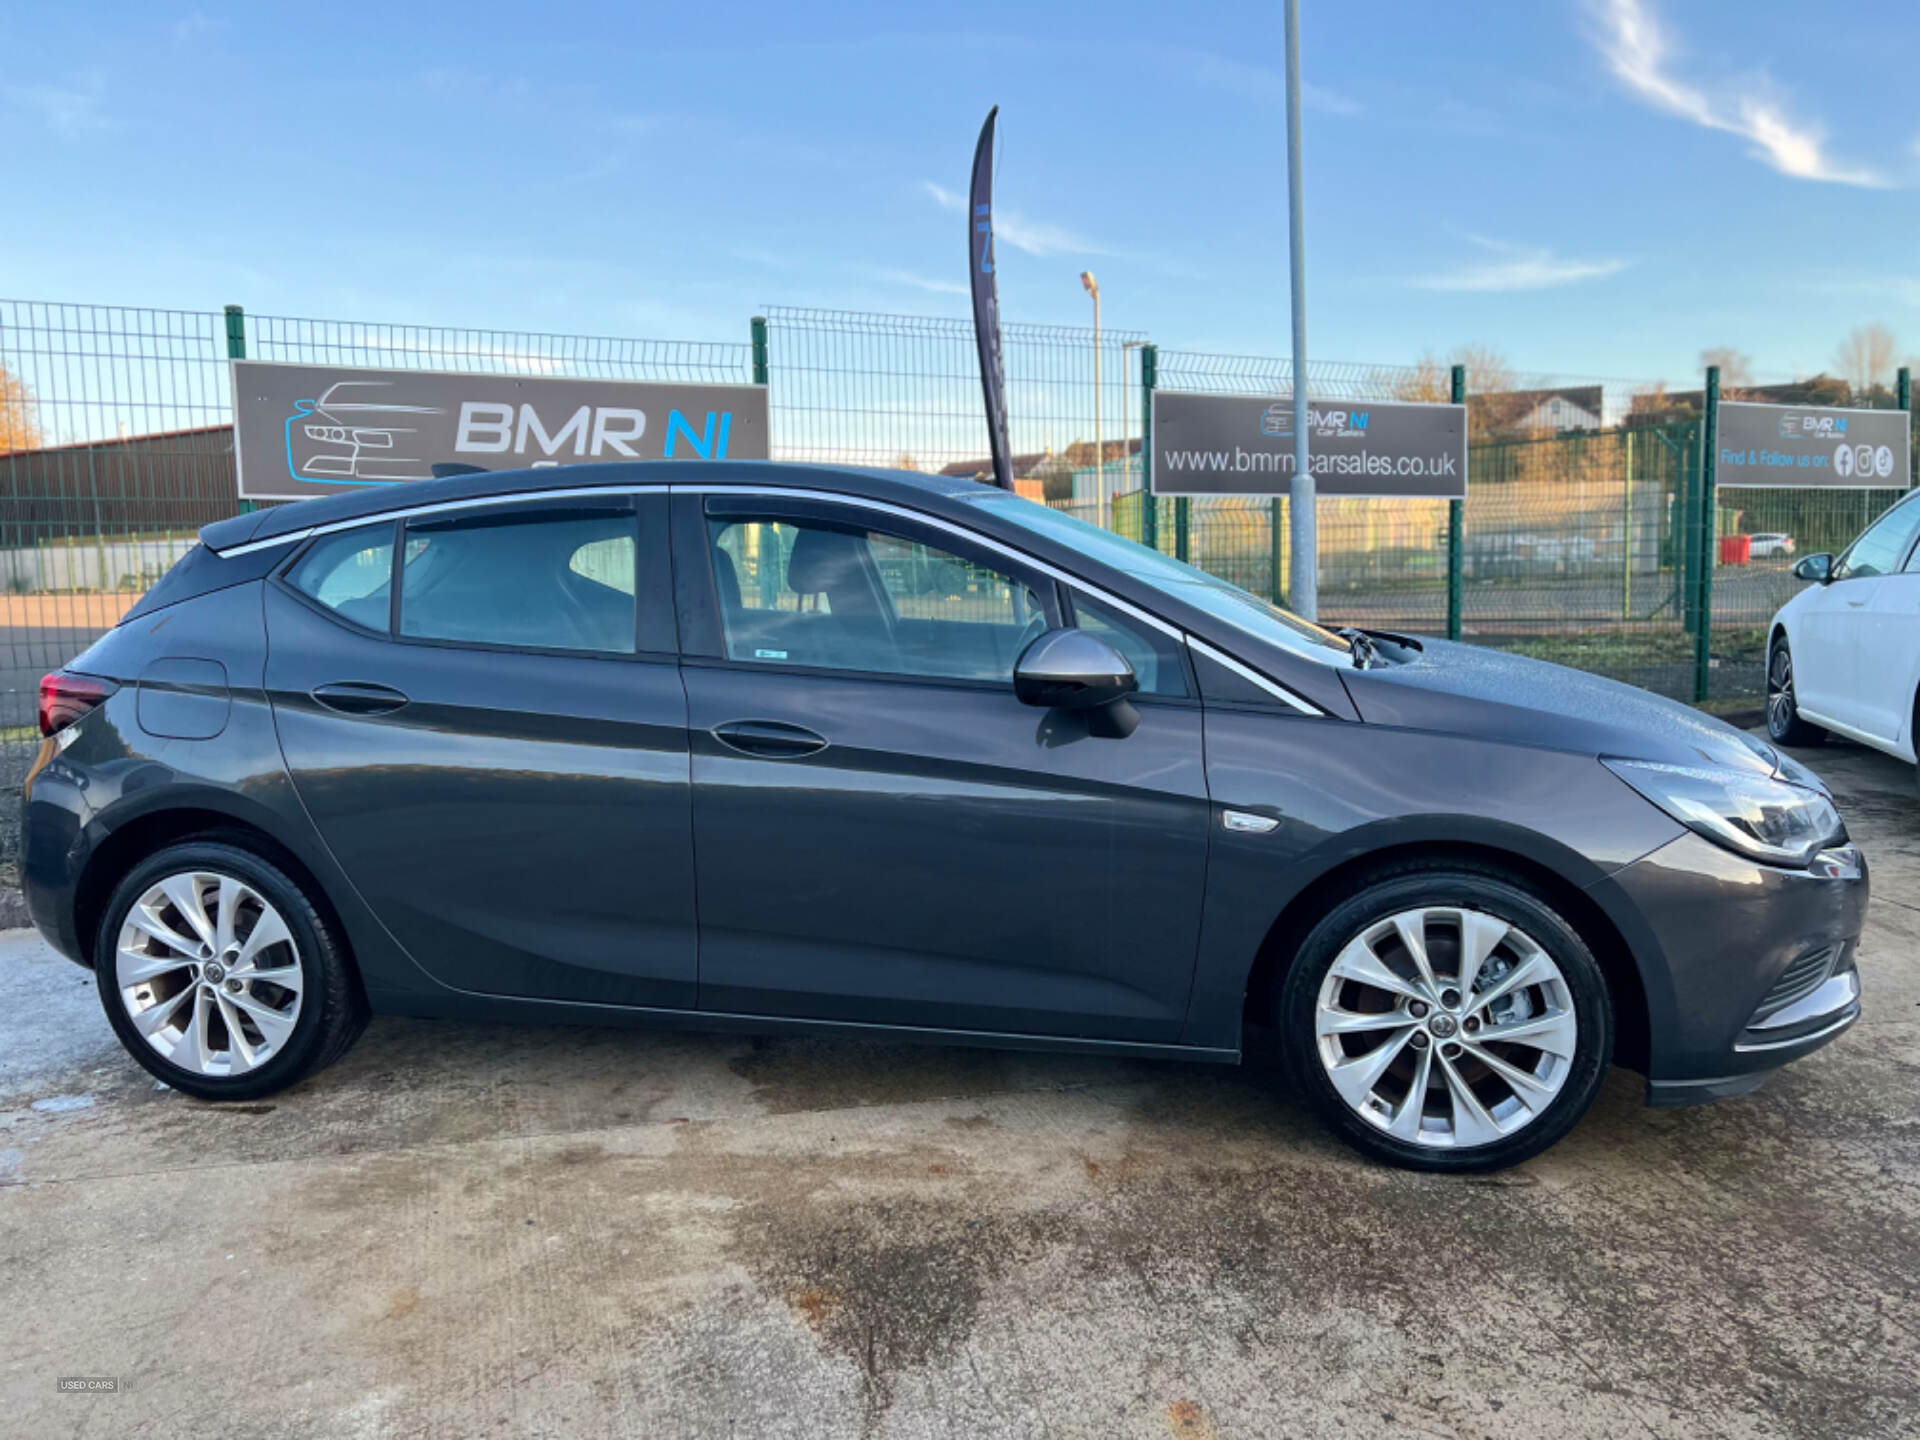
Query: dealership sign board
[1812,445]
[1206,444]
[306,430]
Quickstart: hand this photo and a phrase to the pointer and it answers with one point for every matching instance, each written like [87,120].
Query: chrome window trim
[1254,677]
[783,492]
[1250,675]
[389,516]
[974,537]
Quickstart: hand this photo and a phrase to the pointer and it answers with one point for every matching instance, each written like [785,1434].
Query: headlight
[1759,816]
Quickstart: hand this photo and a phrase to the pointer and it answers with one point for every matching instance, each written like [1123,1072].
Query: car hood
[1492,695]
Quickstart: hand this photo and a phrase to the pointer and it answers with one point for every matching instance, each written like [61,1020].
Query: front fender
[1343,792]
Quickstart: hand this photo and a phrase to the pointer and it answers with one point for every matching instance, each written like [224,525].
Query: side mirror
[1815,567]
[1072,670]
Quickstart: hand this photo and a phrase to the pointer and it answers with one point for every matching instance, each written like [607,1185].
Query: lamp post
[1126,411]
[1092,287]
[1304,593]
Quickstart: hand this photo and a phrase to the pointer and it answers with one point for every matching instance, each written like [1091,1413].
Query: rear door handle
[358,697]
[769,739]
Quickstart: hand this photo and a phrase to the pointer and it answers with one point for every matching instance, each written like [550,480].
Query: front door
[1842,626]
[882,832]
[499,761]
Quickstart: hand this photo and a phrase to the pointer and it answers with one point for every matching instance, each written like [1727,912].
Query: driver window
[1881,547]
[798,592]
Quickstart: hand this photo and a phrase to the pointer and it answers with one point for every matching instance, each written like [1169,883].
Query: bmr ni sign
[305,430]
[1812,445]
[1206,444]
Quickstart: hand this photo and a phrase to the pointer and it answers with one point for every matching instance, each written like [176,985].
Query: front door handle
[769,739]
[358,697]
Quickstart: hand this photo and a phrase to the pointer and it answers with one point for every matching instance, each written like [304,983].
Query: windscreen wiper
[1363,646]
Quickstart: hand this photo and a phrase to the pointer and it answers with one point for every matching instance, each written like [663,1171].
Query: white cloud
[1036,237]
[66,109]
[1257,82]
[1637,51]
[1519,267]
[921,282]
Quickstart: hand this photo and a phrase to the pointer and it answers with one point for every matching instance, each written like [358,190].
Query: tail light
[65,697]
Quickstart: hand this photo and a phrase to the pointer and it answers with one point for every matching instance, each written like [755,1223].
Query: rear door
[882,831]
[499,759]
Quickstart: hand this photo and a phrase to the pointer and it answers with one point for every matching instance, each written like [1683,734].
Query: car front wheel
[220,976]
[1784,724]
[1446,1019]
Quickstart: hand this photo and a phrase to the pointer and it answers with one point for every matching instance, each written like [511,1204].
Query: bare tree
[1489,378]
[1427,382]
[1865,357]
[1736,368]
[19,426]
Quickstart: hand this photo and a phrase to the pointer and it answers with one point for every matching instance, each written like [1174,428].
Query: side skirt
[449,1004]
[1859,737]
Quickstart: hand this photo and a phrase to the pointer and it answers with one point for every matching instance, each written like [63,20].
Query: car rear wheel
[220,976]
[1783,707]
[1445,1019]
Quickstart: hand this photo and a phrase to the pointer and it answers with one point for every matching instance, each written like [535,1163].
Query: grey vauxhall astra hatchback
[793,748]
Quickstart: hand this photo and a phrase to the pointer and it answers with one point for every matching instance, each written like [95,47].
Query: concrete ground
[468,1231]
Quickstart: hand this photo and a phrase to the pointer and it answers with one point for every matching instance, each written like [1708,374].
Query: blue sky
[1599,189]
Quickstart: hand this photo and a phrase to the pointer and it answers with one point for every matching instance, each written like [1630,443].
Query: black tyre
[220,975]
[1444,1018]
[1784,724]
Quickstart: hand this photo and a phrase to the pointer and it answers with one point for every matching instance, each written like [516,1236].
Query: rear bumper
[54,850]
[1746,967]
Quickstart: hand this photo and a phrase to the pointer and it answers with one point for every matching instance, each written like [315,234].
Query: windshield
[1175,578]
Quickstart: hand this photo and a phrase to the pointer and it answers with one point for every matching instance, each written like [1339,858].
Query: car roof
[373,502]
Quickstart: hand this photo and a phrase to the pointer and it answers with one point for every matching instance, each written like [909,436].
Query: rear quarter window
[350,573]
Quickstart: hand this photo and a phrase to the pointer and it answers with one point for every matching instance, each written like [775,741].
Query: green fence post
[237,350]
[1276,534]
[1709,444]
[1182,527]
[760,350]
[1626,534]
[1903,393]
[1686,545]
[1457,533]
[1149,505]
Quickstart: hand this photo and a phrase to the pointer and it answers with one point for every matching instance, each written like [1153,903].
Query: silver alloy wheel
[209,973]
[1446,1027]
[1780,703]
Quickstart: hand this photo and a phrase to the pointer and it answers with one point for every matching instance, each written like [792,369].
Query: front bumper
[1745,967]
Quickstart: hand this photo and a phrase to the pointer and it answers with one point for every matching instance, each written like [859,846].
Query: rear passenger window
[351,573]
[536,580]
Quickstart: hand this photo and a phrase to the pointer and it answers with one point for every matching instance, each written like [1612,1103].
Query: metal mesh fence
[117,447]
[904,390]
[1582,534]
[1747,588]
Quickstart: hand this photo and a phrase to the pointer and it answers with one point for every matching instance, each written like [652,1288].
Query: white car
[1771,545]
[1844,654]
